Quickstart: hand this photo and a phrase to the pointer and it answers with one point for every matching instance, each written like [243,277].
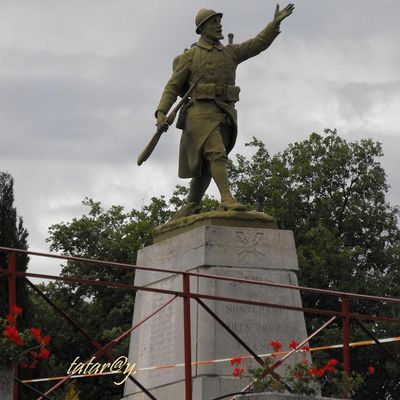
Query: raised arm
[263,40]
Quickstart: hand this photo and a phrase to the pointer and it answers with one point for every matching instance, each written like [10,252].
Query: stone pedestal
[249,253]
[6,382]
[280,396]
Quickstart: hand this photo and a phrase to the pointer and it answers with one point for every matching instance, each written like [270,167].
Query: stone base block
[6,382]
[261,255]
[204,387]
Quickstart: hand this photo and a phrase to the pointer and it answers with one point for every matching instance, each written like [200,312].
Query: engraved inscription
[161,329]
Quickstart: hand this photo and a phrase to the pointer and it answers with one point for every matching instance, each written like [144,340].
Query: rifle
[145,154]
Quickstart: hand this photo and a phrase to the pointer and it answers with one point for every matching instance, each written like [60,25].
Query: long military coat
[213,100]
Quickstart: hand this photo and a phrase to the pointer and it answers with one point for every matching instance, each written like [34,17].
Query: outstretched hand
[280,15]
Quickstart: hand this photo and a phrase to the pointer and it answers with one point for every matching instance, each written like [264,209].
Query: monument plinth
[255,253]
[250,219]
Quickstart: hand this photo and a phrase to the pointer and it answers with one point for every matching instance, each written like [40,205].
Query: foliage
[12,234]
[307,380]
[25,348]
[106,234]
[302,377]
[332,194]
[71,394]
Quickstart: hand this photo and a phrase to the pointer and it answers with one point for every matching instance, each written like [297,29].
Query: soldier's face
[212,29]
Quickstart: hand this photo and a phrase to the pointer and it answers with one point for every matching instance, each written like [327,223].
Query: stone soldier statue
[209,118]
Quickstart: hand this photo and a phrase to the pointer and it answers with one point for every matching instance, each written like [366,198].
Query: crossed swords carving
[250,245]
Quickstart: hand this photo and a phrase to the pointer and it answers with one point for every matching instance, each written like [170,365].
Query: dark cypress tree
[12,234]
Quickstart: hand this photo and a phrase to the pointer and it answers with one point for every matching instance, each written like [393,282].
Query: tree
[12,234]
[106,234]
[331,193]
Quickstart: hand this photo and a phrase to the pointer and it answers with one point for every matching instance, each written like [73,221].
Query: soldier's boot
[198,187]
[220,176]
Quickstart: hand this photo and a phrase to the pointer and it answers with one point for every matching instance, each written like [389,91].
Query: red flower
[320,372]
[275,345]
[37,334]
[235,360]
[237,372]
[330,365]
[43,353]
[46,340]
[12,334]
[10,318]
[312,371]
[371,370]
[16,310]
[305,362]
[332,362]
[293,344]
[306,348]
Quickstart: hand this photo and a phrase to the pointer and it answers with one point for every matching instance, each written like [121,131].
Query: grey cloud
[359,100]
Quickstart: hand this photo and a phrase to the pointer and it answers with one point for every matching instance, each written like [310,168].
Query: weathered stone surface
[256,325]
[223,246]
[250,253]
[279,396]
[244,219]
[6,382]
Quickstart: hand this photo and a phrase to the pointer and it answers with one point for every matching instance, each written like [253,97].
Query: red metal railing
[10,271]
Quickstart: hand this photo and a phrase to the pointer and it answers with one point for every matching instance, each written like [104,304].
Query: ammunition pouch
[231,93]
[211,91]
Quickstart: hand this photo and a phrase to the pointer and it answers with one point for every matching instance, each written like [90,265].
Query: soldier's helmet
[204,15]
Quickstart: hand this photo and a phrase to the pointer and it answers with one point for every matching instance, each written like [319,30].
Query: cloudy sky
[80,79]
